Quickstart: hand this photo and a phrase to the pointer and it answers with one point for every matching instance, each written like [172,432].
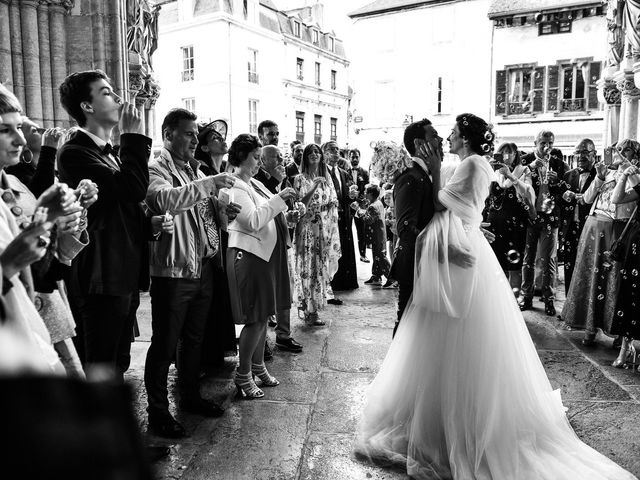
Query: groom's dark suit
[414,209]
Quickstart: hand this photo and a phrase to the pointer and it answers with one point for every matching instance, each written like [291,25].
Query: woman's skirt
[591,299]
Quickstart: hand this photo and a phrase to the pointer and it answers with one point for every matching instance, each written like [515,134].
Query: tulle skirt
[468,398]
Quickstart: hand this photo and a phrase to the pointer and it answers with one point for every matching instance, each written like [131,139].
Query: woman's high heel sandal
[261,371]
[627,355]
[246,387]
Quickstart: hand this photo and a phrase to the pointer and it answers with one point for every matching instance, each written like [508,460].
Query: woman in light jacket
[256,258]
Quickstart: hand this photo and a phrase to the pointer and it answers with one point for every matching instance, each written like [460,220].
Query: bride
[462,393]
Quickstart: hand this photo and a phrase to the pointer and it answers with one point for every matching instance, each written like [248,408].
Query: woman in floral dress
[317,240]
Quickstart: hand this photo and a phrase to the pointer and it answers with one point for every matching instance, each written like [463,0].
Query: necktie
[112,154]
[336,184]
[205,210]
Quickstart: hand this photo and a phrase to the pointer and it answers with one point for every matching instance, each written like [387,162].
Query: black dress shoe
[156,452]
[166,426]
[288,344]
[201,406]
[268,354]
[272,321]
[525,304]
[335,301]
[549,309]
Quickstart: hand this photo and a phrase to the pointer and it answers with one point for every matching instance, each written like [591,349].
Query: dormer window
[332,44]
[296,28]
[315,37]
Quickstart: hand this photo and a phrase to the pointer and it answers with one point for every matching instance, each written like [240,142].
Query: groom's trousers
[405,289]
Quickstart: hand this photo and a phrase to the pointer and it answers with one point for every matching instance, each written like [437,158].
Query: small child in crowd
[374,216]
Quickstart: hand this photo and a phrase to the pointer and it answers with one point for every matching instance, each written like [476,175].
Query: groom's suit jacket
[414,208]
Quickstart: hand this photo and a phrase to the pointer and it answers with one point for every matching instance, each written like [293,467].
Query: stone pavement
[304,428]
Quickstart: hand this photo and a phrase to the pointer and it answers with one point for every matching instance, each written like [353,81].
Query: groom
[413,197]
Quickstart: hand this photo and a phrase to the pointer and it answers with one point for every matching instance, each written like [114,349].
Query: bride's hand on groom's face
[432,156]
[460,257]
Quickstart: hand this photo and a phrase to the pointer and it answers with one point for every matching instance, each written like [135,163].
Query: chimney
[317,14]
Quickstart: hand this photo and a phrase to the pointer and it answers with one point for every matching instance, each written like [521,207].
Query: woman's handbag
[617,251]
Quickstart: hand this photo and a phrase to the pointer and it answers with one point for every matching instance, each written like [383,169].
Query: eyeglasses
[581,153]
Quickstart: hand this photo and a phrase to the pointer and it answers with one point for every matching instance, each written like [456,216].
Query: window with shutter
[552,88]
[501,92]
[594,76]
[538,90]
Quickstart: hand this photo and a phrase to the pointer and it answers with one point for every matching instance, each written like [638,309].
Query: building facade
[524,65]
[42,41]
[549,81]
[245,61]
[416,59]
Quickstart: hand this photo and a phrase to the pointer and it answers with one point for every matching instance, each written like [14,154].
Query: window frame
[252,73]
[300,126]
[300,68]
[334,82]
[297,28]
[189,103]
[188,63]
[253,115]
[317,129]
[317,74]
[333,125]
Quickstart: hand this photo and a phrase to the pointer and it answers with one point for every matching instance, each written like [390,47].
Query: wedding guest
[346,278]
[268,133]
[181,268]
[317,239]
[220,334]
[272,168]
[294,166]
[546,172]
[626,320]
[510,206]
[212,147]
[590,303]
[256,258]
[105,276]
[373,216]
[574,211]
[360,178]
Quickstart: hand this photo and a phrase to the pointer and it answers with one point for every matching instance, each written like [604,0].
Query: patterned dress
[316,244]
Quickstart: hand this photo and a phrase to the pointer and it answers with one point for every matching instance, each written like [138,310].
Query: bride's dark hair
[477,132]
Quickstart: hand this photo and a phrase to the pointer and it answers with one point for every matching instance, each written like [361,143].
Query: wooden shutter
[501,92]
[594,76]
[538,90]
[553,72]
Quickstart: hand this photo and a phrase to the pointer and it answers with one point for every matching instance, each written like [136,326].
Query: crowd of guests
[220,235]
[224,235]
[543,212]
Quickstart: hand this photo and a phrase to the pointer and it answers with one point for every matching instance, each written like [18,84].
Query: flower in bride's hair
[486,147]
[488,136]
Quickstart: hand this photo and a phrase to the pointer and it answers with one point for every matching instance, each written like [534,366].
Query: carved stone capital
[29,4]
[65,4]
[608,92]
[136,80]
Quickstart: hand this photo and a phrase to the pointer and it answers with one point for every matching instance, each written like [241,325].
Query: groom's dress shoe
[525,304]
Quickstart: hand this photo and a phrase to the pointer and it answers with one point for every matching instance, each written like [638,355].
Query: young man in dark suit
[574,211]
[105,277]
[413,198]
[360,177]
[346,277]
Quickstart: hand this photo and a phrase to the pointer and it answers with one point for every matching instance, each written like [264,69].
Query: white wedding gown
[462,393]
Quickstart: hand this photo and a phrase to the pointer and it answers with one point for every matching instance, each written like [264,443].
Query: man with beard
[346,276]
[294,167]
[360,178]
[414,205]
[574,210]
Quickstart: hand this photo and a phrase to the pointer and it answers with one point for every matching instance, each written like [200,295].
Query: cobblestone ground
[304,428]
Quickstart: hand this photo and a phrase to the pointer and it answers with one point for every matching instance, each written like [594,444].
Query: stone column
[6,70]
[58,42]
[98,32]
[629,110]
[31,59]
[16,51]
[45,64]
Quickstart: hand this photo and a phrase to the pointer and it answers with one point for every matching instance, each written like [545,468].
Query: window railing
[187,75]
[518,108]
[300,76]
[253,77]
[574,105]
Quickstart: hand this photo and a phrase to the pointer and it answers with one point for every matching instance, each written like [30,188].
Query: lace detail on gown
[462,393]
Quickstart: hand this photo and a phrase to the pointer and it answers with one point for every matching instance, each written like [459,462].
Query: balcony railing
[518,108]
[574,105]
[187,75]
[253,77]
